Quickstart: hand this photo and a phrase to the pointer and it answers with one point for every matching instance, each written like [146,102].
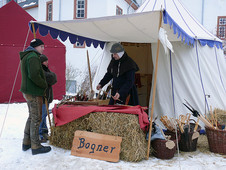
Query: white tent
[195,69]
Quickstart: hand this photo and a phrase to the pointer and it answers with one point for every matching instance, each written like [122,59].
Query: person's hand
[116,96]
[98,87]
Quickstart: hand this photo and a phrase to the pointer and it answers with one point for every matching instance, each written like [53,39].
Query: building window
[221,32]
[49,11]
[78,45]
[80,9]
[118,10]
[222,21]
[221,27]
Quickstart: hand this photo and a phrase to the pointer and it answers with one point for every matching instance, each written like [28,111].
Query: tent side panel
[8,67]
[188,70]
[102,68]
[57,64]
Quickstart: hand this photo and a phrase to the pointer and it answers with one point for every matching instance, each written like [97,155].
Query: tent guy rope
[18,68]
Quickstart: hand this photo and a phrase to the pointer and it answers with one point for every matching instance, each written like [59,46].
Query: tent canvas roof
[140,27]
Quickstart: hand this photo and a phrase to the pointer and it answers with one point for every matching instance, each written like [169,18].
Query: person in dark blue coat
[51,79]
[122,70]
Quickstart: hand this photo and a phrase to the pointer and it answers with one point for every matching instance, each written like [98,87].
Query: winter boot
[25,147]
[43,149]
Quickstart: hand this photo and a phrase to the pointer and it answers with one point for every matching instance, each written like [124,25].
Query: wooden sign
[96,146]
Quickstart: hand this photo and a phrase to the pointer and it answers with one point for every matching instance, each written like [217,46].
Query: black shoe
[43,149]
[25,147]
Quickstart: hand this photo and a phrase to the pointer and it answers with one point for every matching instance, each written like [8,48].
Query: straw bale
[221,115]
[62,136]
[133,146]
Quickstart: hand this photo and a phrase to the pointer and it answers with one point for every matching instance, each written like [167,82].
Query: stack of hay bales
[133,146]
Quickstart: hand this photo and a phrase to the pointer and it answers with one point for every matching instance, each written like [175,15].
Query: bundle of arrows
[182,123]
[212,122]
[169,123]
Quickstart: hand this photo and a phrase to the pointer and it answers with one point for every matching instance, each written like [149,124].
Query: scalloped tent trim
[187,39]
[45,30]
[167,19]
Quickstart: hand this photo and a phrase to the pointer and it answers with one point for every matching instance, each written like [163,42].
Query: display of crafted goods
[217,136]
[216,133]
[189,138]
[186,137]
[187,131]
[217,140]
[165,148]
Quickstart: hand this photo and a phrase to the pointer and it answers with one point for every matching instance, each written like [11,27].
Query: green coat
[33,78]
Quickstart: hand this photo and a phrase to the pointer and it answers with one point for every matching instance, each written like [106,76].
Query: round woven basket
[173,135]
[186,143]
[217,140]
[159,147]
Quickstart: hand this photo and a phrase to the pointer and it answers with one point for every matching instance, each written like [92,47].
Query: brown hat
[36,42]
[43,58]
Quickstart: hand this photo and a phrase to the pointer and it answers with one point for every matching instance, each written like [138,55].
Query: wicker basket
[186,143]
[159,147]
[173,135]
[217,140]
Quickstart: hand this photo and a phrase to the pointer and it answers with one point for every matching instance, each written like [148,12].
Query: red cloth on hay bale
[67,113]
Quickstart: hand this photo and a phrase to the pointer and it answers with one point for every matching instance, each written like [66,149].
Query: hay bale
[133,146]
[62,136]
[221,115]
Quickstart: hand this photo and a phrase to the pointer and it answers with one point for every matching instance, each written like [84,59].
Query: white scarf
[120,54]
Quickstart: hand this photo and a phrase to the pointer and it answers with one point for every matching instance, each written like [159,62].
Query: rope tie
[18,68]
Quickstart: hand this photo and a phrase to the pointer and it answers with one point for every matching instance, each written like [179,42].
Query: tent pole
[47,109]
[154,89]
[33,28]
[90,77]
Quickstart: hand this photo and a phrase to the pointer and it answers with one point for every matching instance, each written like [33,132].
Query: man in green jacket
[33,86]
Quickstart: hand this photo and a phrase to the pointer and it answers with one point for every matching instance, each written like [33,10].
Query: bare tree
[71,74]
[85,85]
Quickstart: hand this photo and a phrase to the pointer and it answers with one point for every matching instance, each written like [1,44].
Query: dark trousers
[43,129]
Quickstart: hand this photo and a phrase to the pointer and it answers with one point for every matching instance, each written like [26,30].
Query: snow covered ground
[13,158]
